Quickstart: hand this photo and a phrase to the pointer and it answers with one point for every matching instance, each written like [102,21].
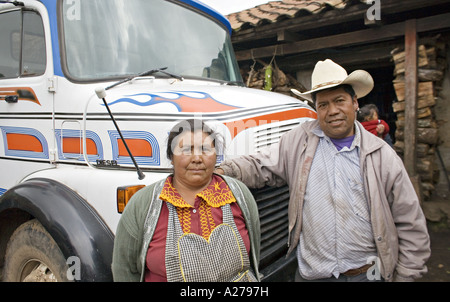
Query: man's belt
[358,271]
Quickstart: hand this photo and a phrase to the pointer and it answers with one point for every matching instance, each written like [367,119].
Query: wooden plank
[421,113]
[375,55]
[411,85]
[422,102]
[425,96]
[287,36]
[347,39]
[399,60]
[371,35]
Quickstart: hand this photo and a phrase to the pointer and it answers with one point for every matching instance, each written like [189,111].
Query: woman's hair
[366,112]
[191,125]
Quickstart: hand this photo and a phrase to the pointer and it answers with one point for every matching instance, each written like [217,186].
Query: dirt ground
[439,262]
[437,212]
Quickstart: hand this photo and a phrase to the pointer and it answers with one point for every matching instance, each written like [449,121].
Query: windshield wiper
[15,3]
[147,73]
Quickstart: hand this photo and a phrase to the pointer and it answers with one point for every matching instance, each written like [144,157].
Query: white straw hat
[328,74]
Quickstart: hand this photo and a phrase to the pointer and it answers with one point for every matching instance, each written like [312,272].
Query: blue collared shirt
[336,231]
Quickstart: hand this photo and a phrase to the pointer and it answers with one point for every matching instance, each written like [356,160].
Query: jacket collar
[368,144]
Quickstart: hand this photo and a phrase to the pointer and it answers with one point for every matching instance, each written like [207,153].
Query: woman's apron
[191,258]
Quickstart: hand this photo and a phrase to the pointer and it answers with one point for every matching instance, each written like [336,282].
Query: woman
[368,117]
[192,226]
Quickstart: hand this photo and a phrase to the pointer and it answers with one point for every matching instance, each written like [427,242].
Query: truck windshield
[111,39]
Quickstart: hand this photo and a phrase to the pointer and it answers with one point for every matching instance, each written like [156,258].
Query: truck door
[26,104]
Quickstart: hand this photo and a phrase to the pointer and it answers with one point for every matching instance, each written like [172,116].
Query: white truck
[70,160]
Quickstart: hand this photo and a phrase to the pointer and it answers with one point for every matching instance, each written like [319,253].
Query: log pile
[431,63]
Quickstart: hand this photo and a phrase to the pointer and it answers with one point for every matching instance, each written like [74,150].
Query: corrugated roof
[275,11]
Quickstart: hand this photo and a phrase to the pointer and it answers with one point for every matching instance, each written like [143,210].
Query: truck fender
[75,226]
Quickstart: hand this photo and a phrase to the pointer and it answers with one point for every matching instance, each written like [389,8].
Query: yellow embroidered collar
[217,194]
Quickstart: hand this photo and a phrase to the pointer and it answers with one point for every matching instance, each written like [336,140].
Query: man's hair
[347,88]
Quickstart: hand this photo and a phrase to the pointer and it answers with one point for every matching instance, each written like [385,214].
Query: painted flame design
[187,101]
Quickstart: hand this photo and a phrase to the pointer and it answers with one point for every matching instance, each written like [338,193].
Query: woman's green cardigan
[138,222]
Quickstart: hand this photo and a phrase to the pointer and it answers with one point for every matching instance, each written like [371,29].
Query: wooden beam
[371,35]
[411,85]
[347,39]
[374,55]
[287,36]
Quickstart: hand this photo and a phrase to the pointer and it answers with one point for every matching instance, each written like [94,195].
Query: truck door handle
[10,98]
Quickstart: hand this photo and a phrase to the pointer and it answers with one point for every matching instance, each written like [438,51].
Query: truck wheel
[33,256]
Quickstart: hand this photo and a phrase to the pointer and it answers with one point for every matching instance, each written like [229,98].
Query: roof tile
[275,11]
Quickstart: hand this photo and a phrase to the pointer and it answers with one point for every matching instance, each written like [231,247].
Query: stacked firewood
[431,62]
[268,76]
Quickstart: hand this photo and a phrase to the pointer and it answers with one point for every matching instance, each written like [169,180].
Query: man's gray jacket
[398,222]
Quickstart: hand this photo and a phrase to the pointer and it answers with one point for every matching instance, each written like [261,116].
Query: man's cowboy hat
[328,74]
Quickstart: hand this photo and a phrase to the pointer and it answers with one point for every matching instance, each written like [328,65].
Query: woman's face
[194,159]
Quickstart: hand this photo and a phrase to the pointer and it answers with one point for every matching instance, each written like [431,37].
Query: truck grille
[273,212]
[267,135]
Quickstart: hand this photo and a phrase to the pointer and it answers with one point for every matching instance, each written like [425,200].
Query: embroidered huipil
[201,219]
[336,230]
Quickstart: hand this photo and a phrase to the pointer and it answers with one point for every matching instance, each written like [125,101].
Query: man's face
[336,111]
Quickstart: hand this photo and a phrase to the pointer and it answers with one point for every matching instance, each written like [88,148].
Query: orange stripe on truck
[138,147]
[235,127]
[23,142]
[74,145]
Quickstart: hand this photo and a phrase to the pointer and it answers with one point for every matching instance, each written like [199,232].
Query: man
[351,200]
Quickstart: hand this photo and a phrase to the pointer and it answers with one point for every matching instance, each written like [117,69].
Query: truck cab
[70,160]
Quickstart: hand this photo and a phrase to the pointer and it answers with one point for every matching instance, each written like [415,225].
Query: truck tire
[33,256]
